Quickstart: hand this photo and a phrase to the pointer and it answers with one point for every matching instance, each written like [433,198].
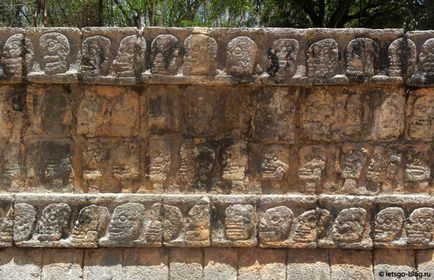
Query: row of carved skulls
[129,223]
[201,52]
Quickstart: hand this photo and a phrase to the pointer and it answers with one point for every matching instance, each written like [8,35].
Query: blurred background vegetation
[408,14]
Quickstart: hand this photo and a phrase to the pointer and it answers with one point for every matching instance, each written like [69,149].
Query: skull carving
[198,220]
[54,222]
[172,222]
[322,58]
[239,222]
[55,47]
[24,221]
[305,227]
[389,224]
[200,55]
[275,223]
[349,225]
[126,222]
[402,56]
[426,58]
[91,221]
[13,52]
[96,55]
[164,53]
[282,57]
[362,54]
[420,226]
[130,56]
[241,57]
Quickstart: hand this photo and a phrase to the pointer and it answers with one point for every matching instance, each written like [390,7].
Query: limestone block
[56,220]
[186,264]
[275,115]
[234,221]
[13,112]
[16,54]
[108,111]
[12,167]
[331,114]
[400,262]
[49,164]
[112,55]
[57,54]
[345,222]
[163,108]
[136,220]
[424,259]
[418,168]
[186,221]
[62,264]
[50,111]
[220,263]
[149,263]
[386,113]
[424,72]
[308,264]
[261,264]
[288,221]
[216,111]
[200,57]
[103,264]
[351,264]
[420,115]
[20,263]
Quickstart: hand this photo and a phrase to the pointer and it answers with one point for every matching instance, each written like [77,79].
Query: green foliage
[409,14]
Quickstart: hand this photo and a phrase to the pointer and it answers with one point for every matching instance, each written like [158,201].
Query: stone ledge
[269,221]
[216,56]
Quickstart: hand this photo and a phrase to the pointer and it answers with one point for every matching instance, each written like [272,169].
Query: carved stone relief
[283,56]
[241,57]
[200,55]
[164,55]
[96,56]
[362,56]
[322,59]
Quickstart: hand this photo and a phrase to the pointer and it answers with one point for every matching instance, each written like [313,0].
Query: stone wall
[216,153]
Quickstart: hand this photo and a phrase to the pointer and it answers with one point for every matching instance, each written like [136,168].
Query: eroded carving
[54,222]
[238,222]
[426,58]
[275,224]
[24,221]
[305,228]
[420,226]
[402,57]
[200,55]
[91,222]
[130,57]
[96,56]
[13,53]
[198,223]
[389,223]
[362,55]
[322,58]
[126,222]
[172,222]
[241,57]
[282,56]
[55,48]
[349,225]
[164,55]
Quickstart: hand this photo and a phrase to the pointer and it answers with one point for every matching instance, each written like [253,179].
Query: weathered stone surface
[220,264]
[400,262]
[186,264]
[261,264]
[424,262]
[420,115]
[149,263]
[308,264]
[102,264]
[62,264]
[351,264]
[21,263]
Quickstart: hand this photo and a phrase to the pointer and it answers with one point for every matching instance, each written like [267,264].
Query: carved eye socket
[15,45]
[51,44]
[238,50]
[387,222]
[123,218]
[196,48]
